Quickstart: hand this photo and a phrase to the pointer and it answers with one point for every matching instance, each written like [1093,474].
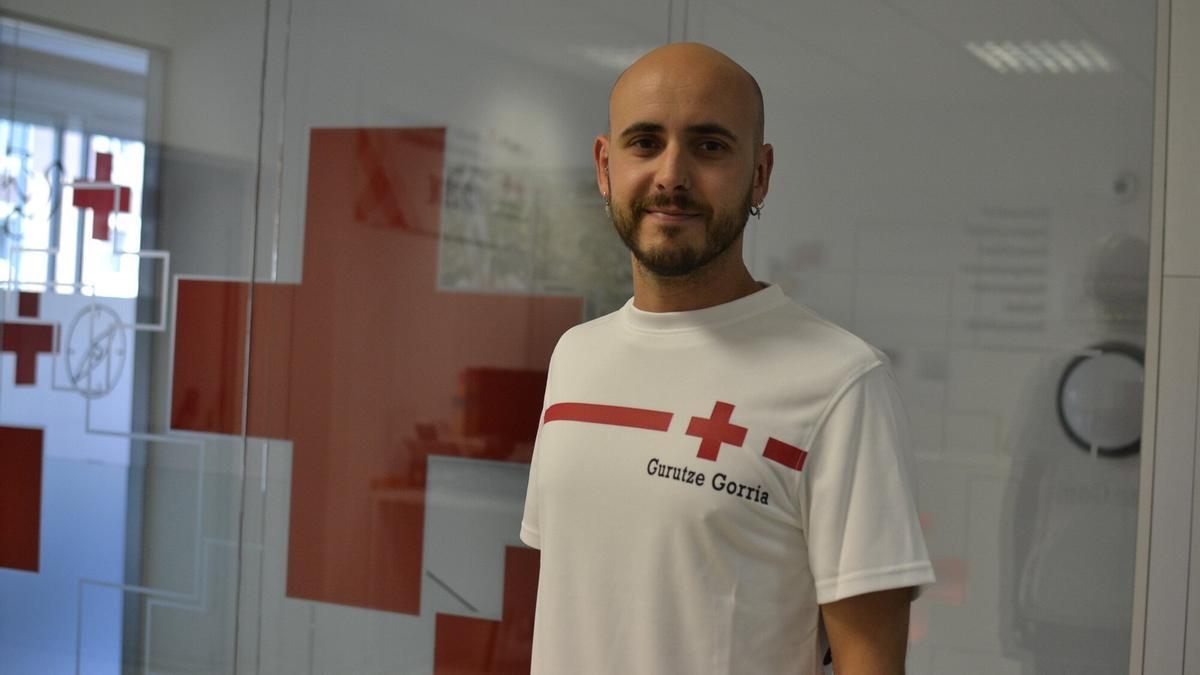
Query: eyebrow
[706,129]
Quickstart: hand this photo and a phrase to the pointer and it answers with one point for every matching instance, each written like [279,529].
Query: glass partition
[434,208]
[129,144]
[966,186]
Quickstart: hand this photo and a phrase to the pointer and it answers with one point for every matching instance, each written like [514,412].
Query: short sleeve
[861,526]
[531,532]
[531,524]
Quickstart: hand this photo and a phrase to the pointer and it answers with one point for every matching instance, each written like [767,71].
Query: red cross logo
[374,178]
[27,339]
[102,196]
[716,431]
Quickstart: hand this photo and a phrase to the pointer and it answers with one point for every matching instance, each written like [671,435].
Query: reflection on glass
[1070,519]
[92,579]
[1100,400]
[448,235]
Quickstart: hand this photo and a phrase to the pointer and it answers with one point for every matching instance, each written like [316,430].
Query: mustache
[681,202]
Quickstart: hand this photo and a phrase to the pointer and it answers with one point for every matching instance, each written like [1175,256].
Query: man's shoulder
[815,339]
[592,329]
[585,337]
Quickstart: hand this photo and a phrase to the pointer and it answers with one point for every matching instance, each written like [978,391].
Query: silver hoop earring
[756,210]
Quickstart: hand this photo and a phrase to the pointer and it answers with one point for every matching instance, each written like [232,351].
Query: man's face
[681,165]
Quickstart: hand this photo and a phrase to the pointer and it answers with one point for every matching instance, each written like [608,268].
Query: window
[57,117]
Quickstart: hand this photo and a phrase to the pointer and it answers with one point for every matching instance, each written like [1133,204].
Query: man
[721,480]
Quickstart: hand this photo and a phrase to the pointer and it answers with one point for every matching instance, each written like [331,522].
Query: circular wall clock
[1100,399]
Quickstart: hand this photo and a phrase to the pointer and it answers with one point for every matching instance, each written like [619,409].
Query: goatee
[721,230]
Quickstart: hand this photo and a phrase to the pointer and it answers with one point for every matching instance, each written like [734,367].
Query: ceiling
[832,52]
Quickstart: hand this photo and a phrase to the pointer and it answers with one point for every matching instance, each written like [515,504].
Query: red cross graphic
[335,354]
[716,431]
[27,340]
[102,196]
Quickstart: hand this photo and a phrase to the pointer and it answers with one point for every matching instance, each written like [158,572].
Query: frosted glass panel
[984,220]
[119,529]
[426,258]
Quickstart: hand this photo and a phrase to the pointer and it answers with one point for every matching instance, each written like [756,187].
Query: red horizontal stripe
[615,415]
[787,455]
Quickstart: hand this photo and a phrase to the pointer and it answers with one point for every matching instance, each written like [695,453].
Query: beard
[675,259]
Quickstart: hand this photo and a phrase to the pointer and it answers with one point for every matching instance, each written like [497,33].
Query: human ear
[763,163]
[600,156]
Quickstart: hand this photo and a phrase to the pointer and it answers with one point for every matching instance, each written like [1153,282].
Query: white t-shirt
[703,480]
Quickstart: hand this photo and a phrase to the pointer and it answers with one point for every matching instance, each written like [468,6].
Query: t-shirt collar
[735,310]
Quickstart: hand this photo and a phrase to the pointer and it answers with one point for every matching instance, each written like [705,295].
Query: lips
[672,215]
[677,209]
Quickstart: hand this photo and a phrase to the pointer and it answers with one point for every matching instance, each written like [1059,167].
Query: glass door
[129,155]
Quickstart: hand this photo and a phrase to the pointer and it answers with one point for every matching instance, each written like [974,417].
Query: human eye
[711,146]
[643,143]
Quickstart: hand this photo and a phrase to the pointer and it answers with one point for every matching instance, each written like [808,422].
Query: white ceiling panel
[820,52]
[915,50]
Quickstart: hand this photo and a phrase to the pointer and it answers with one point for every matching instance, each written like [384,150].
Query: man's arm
[868,633]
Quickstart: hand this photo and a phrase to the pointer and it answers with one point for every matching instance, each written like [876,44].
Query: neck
[725,279]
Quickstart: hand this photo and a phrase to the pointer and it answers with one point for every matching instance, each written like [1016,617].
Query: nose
[674,170]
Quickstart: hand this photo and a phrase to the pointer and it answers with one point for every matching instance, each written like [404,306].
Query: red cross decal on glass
[102,196]
[28,339]
[716,431]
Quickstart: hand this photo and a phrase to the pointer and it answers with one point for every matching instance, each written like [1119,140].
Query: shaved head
[683,164]
[690,61]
